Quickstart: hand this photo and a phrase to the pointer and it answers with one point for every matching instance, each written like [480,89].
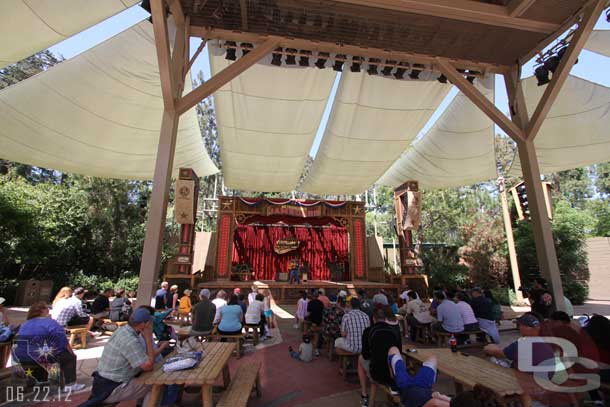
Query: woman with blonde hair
[64,294]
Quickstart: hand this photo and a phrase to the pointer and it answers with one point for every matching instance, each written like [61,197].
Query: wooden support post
[565,66]
[510,240]
[543,235]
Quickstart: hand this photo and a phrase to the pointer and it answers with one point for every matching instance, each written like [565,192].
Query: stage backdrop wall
[253,244]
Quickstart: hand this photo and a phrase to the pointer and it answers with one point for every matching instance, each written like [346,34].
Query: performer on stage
[295,271]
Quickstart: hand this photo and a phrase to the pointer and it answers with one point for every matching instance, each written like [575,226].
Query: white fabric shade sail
[599,42]
[575,132]
[98,114]
[372,122]
[29,26]
[457,150]
[267,119]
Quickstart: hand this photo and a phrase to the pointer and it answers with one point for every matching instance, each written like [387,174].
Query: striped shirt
[123,355]
[354,323]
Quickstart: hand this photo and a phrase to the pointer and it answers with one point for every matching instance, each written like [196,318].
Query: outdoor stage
[288,293]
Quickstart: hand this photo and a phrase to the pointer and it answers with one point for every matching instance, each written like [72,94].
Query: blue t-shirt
[40,339]
[160,298]
[449,314]
[230,318]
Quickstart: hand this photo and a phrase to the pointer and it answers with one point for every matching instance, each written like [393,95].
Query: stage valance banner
[184,212]
[294,202]
[297,211]
[287,245]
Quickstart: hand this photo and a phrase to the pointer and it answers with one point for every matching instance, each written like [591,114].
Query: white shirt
[57,307]
[254,311]
[252,297]
[405,295]
[467,313]
[219,302]
[419,310]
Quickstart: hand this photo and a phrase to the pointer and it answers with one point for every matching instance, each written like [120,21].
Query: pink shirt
[467,313]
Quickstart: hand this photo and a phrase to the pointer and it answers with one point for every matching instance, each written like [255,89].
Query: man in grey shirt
[448,315]
[203,314]
[380,298]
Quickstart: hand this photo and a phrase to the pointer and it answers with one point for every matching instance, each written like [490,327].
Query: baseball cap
[528,319]
[79,291]
[140,315]
[342,293]
[332,298]
[204,293]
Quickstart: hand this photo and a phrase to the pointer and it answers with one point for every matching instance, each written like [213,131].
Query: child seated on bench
[416,391]
[305,353]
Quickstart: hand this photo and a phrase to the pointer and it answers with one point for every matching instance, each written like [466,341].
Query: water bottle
[453,344]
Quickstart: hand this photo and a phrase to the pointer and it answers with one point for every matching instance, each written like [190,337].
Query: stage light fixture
[322,58]
[400,72]
[356,62]
[276,58]
[442,78]
[338,66]
[231,50]
[387,70]
[304,59]
[373,66]
[245,48]
[291,58]
[470,79]
[542,75]
[415,71]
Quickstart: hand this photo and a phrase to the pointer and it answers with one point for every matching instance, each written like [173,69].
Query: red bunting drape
[253,244]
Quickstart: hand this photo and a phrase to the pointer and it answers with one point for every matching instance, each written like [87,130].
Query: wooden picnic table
[470,370]
[214,362]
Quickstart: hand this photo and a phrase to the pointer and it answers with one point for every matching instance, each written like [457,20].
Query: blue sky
[591,66]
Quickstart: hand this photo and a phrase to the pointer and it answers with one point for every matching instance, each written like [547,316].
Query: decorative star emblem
[29,372]
[183,215]
[357,210]
[53,371]
[227,205]
[45,351]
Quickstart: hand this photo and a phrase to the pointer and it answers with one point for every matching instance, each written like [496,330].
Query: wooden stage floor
[283,291]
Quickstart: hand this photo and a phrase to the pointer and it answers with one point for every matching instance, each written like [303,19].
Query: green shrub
[505,296]
[96,283]
[576,291]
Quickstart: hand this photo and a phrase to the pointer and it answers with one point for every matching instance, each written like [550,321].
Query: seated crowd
[366,328]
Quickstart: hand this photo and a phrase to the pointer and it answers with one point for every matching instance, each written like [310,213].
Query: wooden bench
[118,324]
[238,339]
[442,338]
[240,389]
[255,335]
[77,332]
[344,358]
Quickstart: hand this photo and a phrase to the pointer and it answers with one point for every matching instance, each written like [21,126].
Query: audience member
[120,307]
[598,330]
[404,296]
[529,325]
[185,306]
[468,318]
[203,315]
[123,358]
[254,314]
[161,296]
[305,353]
[252,294]
[219,302]
[3,314]
[353,324]
[448,315]
[483,311]
[241,300]
[416,313]
[70,311]
[63,294]
[331,319]
[231,317]
[366,305]
[39,331]
[322,297]
[268,312]
[100,308]
[540,298]
[392,304]
[416,390]
[171,298]
[372,363]
[380,298]
[301,309]
[495,305]
[315,315]
[569,307]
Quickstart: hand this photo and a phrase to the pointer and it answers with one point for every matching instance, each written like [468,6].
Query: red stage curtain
[253,244]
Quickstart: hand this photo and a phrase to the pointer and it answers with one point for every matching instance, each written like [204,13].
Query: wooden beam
[543,235]
[517,8]
[476,97]
[195,55]
[333,48]
[163,53]
[176,8]
[243,6]
[463,10]
[565,66]
[179,58]
[226,75]
[155,224]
